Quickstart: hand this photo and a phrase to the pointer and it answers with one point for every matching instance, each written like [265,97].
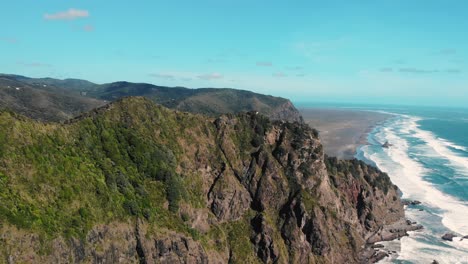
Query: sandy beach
[342,130]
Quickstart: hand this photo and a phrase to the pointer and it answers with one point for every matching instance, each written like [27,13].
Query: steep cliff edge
[137,182]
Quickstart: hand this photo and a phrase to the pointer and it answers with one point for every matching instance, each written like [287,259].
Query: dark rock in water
[386,145]
[448,237]
[377,246]
[434,262]
[421,209]
[408,222]
[378,257]
[410,202]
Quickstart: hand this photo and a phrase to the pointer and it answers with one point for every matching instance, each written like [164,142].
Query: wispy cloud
[264,63]
[295,68]
[210,76]
[417,71]
[301,75]
[70,14]
[9,40]
[162,76]
[399,61]
[453,71]
[88,28]
[386,69]
[446,52]
[279,74]
[216,60]
[428,71]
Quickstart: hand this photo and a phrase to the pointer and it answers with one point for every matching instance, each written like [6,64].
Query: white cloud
[211,76]
[70,14]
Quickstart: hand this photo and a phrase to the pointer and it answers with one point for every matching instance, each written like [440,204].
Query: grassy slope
[43,102]
[123,163]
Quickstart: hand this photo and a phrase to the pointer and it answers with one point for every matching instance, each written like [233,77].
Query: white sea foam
[407,173]
[452,145]
[416,251]
[441,148]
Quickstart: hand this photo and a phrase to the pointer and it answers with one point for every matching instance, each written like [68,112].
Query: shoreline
[343,131]
[351,128]
[374,250]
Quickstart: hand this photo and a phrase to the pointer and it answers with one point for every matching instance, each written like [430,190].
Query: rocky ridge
[136,182]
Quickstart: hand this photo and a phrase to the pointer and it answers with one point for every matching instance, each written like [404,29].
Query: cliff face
[136,182]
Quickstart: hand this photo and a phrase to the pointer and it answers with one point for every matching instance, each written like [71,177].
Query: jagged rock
[378,256]
[266,250]
[448,236]
[178,249]
[240,188]
[386,145]
[410,202]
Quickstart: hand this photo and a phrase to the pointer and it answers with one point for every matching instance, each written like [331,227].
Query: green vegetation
[61,179]
[67,98]
[238,235]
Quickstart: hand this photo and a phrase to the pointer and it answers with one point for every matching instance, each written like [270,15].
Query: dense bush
[63,178]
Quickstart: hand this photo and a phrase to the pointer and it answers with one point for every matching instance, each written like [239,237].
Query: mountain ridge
[208,101]
[138,182]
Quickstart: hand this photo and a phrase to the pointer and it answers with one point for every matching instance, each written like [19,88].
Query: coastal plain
[342,130]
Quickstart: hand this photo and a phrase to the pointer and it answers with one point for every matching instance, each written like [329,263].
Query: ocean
[428,160]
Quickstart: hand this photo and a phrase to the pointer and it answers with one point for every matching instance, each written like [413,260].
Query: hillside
[208,101]
[134,182]
[41,101]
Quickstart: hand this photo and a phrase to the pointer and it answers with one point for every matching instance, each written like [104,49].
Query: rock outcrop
[136,182]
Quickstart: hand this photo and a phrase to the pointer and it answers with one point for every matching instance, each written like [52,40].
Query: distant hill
[41,101]
[208,101]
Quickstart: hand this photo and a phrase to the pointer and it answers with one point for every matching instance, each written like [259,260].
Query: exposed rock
[411,202]
[448,236]
[386,145]
[266,250]
[378,256]
[241,188]
[377,246]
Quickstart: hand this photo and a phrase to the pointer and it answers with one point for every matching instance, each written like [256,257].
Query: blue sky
[399,52]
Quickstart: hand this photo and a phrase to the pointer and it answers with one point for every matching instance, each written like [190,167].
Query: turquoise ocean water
[429,163]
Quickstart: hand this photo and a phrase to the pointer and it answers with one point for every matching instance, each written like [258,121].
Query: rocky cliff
[134,182]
